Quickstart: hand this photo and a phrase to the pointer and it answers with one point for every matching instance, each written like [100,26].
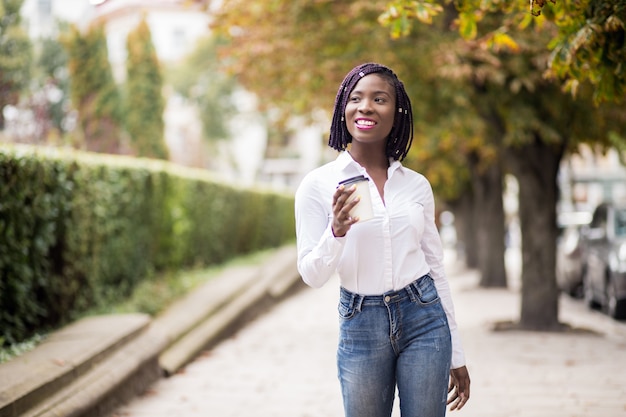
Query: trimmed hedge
[81,230]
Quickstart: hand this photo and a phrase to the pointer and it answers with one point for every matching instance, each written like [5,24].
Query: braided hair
[401,135]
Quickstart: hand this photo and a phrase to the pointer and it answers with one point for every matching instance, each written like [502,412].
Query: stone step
[63,357]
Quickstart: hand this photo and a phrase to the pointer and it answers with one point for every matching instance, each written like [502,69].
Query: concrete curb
[255,291]
[131,360]
[67,355]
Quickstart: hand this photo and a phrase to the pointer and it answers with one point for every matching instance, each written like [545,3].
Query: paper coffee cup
[363,210]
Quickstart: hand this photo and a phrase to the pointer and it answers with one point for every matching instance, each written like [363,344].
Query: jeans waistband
[411,291]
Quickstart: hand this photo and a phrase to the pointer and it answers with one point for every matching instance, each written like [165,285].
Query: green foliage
[588,45]
[81,231]
[144,99]
[399,14]
[93,91]
[35,203]
[17,349]
[200,79]
[591,46]
[15,54]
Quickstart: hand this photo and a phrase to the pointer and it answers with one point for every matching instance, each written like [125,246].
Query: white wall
[41,16]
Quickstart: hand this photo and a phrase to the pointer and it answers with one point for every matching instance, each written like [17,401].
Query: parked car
[569,254]
[604,246]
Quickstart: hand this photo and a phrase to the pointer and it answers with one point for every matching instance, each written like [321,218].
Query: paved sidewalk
[283,364]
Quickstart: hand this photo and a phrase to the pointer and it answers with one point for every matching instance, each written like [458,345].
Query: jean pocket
[346,309]
[426,290]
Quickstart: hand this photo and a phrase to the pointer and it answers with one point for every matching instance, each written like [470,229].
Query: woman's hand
[342,221]
[459,389]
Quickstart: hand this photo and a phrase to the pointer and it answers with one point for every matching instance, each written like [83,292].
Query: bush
[81,230]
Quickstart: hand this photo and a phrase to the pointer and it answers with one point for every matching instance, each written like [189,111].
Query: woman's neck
[376,165]
[370,160]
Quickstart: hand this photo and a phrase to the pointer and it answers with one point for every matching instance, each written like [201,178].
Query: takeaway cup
[363,209]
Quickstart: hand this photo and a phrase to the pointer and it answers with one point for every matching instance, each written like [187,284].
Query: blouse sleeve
[319,250]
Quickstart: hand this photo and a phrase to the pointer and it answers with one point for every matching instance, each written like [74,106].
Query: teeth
[365,122]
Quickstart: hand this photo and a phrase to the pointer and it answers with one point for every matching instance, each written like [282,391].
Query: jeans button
[387,298]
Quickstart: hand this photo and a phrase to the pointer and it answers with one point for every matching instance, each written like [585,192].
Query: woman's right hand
[342,221]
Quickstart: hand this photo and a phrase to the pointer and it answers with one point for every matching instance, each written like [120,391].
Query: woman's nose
[365,105]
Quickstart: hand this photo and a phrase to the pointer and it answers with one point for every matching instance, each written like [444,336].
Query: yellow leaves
[500,41]
[425,11]
[468,27]
[399,14]
[396,19]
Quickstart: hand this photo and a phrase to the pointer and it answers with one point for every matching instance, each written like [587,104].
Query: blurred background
[210,113]
[143,142]
[519,112]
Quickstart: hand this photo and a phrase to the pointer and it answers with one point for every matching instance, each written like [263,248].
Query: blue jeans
[399,338]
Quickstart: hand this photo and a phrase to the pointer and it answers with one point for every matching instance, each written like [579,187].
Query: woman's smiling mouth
[364,123]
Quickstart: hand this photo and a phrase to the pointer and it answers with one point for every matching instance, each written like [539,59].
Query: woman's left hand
[459,389]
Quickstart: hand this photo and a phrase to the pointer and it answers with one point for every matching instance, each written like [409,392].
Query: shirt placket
[388,268]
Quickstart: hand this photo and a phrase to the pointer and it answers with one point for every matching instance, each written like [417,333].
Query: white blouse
[387,253]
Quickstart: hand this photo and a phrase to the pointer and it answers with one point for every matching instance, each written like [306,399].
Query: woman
[397,326]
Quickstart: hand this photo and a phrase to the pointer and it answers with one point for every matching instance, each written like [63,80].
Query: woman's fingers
[342,221]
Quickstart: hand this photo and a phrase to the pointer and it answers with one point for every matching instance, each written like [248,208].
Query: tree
[144,97]
[537,125]
[93,91]
[587,47]
[15,55]
[49,95]
[201,79]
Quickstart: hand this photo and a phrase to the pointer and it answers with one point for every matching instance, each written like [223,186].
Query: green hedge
[82,230]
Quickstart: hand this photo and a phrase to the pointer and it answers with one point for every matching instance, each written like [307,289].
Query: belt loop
[358,301]
[411,289]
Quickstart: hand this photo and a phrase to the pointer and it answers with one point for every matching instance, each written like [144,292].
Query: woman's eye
[354,99]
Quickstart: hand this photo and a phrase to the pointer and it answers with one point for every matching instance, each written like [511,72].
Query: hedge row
[81,230]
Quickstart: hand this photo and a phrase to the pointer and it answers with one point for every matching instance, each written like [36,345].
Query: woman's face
[371,109]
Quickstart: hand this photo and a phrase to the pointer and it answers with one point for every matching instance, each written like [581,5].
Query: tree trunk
[488,193]
[465,227]
[536,166]
[489,220]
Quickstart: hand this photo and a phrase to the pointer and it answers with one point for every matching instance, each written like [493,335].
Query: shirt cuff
[332,246]
[458,356]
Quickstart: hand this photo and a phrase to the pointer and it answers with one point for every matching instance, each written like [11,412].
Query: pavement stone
[283,363]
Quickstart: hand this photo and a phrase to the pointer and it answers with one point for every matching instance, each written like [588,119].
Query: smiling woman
[395,307]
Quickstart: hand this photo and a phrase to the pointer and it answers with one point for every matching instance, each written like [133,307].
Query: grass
[152,296]
[9,352]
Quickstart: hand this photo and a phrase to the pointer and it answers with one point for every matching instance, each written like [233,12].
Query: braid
[401,135]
